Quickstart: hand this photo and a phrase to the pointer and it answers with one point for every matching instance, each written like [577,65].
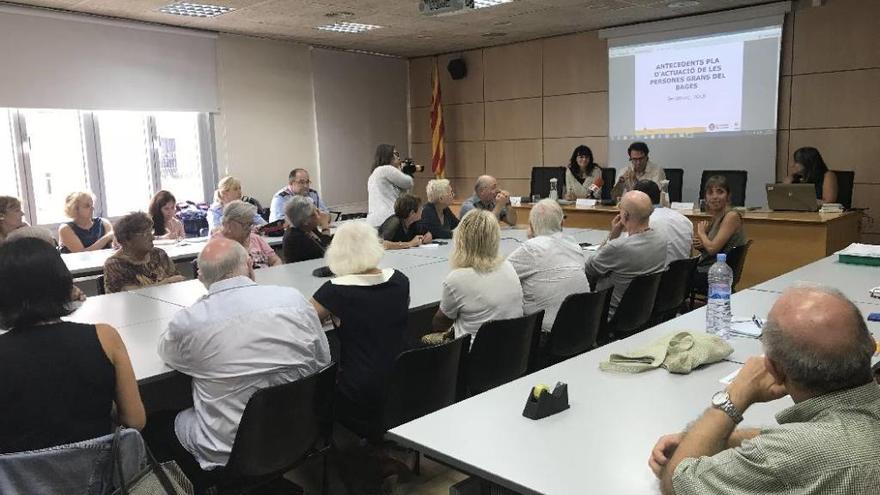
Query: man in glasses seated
[299,184]
[639,168]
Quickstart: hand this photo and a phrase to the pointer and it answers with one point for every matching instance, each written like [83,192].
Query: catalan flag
[438,146]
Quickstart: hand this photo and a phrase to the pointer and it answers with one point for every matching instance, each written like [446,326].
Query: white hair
[437,188]
[299,209]
[355,248]
[239,211]
[546,217]
[232,263]
[31,232]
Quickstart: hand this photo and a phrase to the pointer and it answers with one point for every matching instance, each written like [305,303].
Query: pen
[757,321]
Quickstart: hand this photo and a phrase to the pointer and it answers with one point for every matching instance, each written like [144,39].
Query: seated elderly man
[302,240]
[237,224]
[487,196]
[298,184]
[550,266]
[817,349]
[239,338]
[675,227]
[138,263]
[621,259]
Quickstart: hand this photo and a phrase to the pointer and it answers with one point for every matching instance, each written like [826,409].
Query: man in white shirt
[675,227]
[237,339]
[550,265]
[639,168]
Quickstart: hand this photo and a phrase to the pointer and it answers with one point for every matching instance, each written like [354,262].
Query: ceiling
[405,31]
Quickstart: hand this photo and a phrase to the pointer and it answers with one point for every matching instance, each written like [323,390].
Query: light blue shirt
[474,202]
[239,338]
[215,217]
[280,199]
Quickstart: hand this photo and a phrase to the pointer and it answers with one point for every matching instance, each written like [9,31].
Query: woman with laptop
[810,168]
[720,235]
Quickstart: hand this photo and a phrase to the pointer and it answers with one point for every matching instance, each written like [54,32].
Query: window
[8,174]
[180,157]
[125,160]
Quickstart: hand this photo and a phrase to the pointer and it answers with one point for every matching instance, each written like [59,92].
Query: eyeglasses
[303,182]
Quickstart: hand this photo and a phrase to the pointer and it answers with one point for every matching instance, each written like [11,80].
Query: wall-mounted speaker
[457,68]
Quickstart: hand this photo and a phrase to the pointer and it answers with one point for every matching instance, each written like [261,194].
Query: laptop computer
[792,197]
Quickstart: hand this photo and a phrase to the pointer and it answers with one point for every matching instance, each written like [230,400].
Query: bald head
[638,207]
[222,258]
[818,339]
[486,188]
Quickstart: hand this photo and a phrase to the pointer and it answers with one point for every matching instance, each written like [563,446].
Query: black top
[90,236]
[819,184]
[373,319]
[393,230]
[57,386]
[300,246]
[431,223]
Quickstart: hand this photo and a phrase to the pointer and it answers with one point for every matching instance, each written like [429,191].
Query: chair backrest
[736,179]
[675,176]
[101,288]
[634,310]
[675,286]
[736,260]
[845,181]
[501,351]
[541,180]
[424,380]
[283,424]
[609,175]
[578,322]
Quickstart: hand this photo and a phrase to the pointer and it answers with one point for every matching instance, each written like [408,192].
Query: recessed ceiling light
[348,27]
[683,4]
[480,4]
[339,13]
[195,9]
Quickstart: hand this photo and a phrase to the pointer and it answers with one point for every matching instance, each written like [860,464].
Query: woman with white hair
[437,218]
[85,232]
[371,305]
[303,240]
[482,286]
[228,190]
[237,224]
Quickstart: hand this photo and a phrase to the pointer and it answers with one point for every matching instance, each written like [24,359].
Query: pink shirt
[259,251]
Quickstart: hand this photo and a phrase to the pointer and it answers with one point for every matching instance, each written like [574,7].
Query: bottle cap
[721,257]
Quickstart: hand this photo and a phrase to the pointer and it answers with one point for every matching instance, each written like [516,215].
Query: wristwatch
[721,400]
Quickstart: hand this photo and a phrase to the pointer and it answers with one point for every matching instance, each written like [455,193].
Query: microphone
[597,184]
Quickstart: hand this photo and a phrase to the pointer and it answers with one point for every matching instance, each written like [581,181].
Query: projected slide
[689,90]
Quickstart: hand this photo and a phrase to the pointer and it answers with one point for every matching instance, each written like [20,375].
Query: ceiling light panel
[348,27]
[195,9]
[480,4]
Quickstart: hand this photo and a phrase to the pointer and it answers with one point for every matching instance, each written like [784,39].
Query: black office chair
[541,180]
[501,352]
[675,286]
[845,181]
[281,427]
[609,175]
[634,310]
[575,328]
[263,212]
[736,179]
[675,176]
[100,285]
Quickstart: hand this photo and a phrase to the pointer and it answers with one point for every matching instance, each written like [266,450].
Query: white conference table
[855,281]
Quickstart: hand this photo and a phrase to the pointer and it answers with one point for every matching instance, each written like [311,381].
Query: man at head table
[487,196]
[640,168]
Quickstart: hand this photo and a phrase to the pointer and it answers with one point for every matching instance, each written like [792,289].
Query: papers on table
[727,380]
[585,203]
[745,327]
[863,250]
[682,206]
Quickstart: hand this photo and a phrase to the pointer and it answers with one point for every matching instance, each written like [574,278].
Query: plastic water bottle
[554,193]
[718,307]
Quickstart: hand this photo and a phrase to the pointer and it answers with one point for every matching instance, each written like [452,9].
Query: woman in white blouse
[583,177]
[385,184]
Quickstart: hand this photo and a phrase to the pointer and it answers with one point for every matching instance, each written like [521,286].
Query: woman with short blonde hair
[437,218]
[228,190]
[475,243]
[85,232]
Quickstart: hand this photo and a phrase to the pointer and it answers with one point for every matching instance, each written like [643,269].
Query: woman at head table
[583,176]
[808,167]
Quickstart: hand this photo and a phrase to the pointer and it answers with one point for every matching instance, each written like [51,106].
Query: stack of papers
[682,206]
[831,208]
[863,250]
[745,327]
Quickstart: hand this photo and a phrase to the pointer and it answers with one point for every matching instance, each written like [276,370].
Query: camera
[410,167]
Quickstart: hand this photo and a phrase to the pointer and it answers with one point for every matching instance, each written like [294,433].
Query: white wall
[360,102]
[266,124]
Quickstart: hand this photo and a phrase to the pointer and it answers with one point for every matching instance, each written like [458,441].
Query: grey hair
[232,264]
[29,231]
[480,184]
[437,188]
[298,210]
[819,370]
[546,218]
[239,211]
[355,248]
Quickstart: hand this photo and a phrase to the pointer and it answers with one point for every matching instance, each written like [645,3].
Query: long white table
[855,281]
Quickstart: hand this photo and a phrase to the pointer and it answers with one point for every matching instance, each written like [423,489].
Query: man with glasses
[639,168]
[298,183]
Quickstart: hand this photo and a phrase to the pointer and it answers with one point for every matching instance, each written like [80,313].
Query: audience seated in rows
[59,380]
[640,168]
[166,225]
[721,235]
[298,184]
[482,285]
[11,216]
[84,232]
[303,240]
[487,196]
[237,225]
[621,259]
[228,190]
[239,338]
[138,263]
[437,218]
[385,184]
[550,265]
[675,227]
[817,350]
[369,306]
[402,230]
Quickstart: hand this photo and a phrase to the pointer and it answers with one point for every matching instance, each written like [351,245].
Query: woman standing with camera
[391,178]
